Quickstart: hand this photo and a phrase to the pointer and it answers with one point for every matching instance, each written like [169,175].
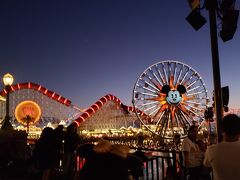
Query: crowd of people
[217,161]
[54,156]
[193,153]
[55,150]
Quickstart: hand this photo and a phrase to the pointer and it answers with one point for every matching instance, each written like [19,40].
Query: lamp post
[7,81]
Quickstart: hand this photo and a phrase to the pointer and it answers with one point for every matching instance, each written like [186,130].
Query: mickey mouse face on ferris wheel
[174,97]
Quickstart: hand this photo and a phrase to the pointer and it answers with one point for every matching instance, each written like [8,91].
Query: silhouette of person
[71,142]
[45,153]
[59,137]
[192,156]
[223,158]
[108,162]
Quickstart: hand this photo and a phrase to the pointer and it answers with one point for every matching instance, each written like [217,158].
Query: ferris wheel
[168,97]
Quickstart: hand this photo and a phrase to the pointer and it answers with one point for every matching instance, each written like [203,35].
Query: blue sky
[86,49]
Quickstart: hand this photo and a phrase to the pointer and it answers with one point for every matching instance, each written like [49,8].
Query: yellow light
[30,108]
[163,102]
[8,79]
[2,98]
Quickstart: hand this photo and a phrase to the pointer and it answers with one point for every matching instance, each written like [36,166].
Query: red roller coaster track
[39,88]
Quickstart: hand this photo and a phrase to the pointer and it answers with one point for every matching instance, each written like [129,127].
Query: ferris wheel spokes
[170,109]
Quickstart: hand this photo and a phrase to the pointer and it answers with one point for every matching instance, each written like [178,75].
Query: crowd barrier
[160,165]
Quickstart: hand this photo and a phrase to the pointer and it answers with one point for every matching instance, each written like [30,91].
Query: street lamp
[7,81]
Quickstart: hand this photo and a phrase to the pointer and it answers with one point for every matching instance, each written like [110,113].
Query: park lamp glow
[8,79]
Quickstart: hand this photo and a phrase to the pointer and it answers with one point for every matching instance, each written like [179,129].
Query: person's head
[72,128]
[103,146]
[192,132]
[231,125]
[177,139]
[60,127]
[120,150]
[202,146]
[85,150]
[47,133]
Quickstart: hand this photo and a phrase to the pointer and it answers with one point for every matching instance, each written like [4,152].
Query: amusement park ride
[173,95]
[32,107]
[168,97]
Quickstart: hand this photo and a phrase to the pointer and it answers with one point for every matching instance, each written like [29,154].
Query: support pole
[211,5]
[6,123]
[7,102]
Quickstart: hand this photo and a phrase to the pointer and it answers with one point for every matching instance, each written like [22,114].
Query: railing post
[174,164]
[152,167]
[147,173]
[157,166]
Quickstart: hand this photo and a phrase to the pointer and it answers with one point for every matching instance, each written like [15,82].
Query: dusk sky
[85,49]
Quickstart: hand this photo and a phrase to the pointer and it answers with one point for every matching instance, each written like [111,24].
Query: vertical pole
[27,126]
[6,123]
[157,167]
[211,5]
[7,103]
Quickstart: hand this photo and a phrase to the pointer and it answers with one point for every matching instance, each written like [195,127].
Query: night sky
[85,49]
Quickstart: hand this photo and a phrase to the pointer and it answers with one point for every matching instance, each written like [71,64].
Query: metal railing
[159,165]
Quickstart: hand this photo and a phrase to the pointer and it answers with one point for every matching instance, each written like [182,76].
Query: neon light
[82,118]
[79,109]
[45,92]
[29,85]
[12,88]
[92,109]
[110,97]
[105,98]
[77,123]
[87,114]
[101,102]
[30,108]
[96,106]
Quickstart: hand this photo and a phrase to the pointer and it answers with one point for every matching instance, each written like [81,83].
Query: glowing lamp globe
[8,79]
